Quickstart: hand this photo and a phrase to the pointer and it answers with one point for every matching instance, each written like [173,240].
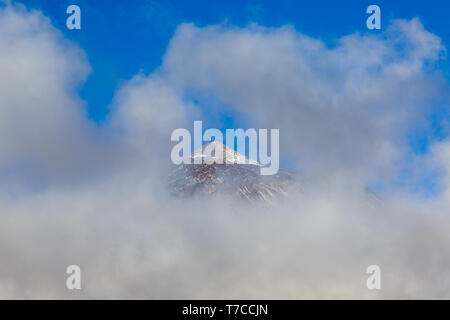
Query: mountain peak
[230,156]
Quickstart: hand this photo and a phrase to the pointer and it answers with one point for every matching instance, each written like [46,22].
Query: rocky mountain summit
[236,176]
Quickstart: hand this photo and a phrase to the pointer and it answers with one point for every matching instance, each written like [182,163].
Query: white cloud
[44,134]
[340,109]
[346,106]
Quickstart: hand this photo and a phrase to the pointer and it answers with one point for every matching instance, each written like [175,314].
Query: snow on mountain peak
[208,154]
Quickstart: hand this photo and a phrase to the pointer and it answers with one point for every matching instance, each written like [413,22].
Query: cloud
[337,107]
[44,134]
[101,200]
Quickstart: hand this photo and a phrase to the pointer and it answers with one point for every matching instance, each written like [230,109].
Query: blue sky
[124,38]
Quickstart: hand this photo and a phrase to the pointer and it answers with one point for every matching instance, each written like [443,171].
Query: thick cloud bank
[72,192]
[345,106]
